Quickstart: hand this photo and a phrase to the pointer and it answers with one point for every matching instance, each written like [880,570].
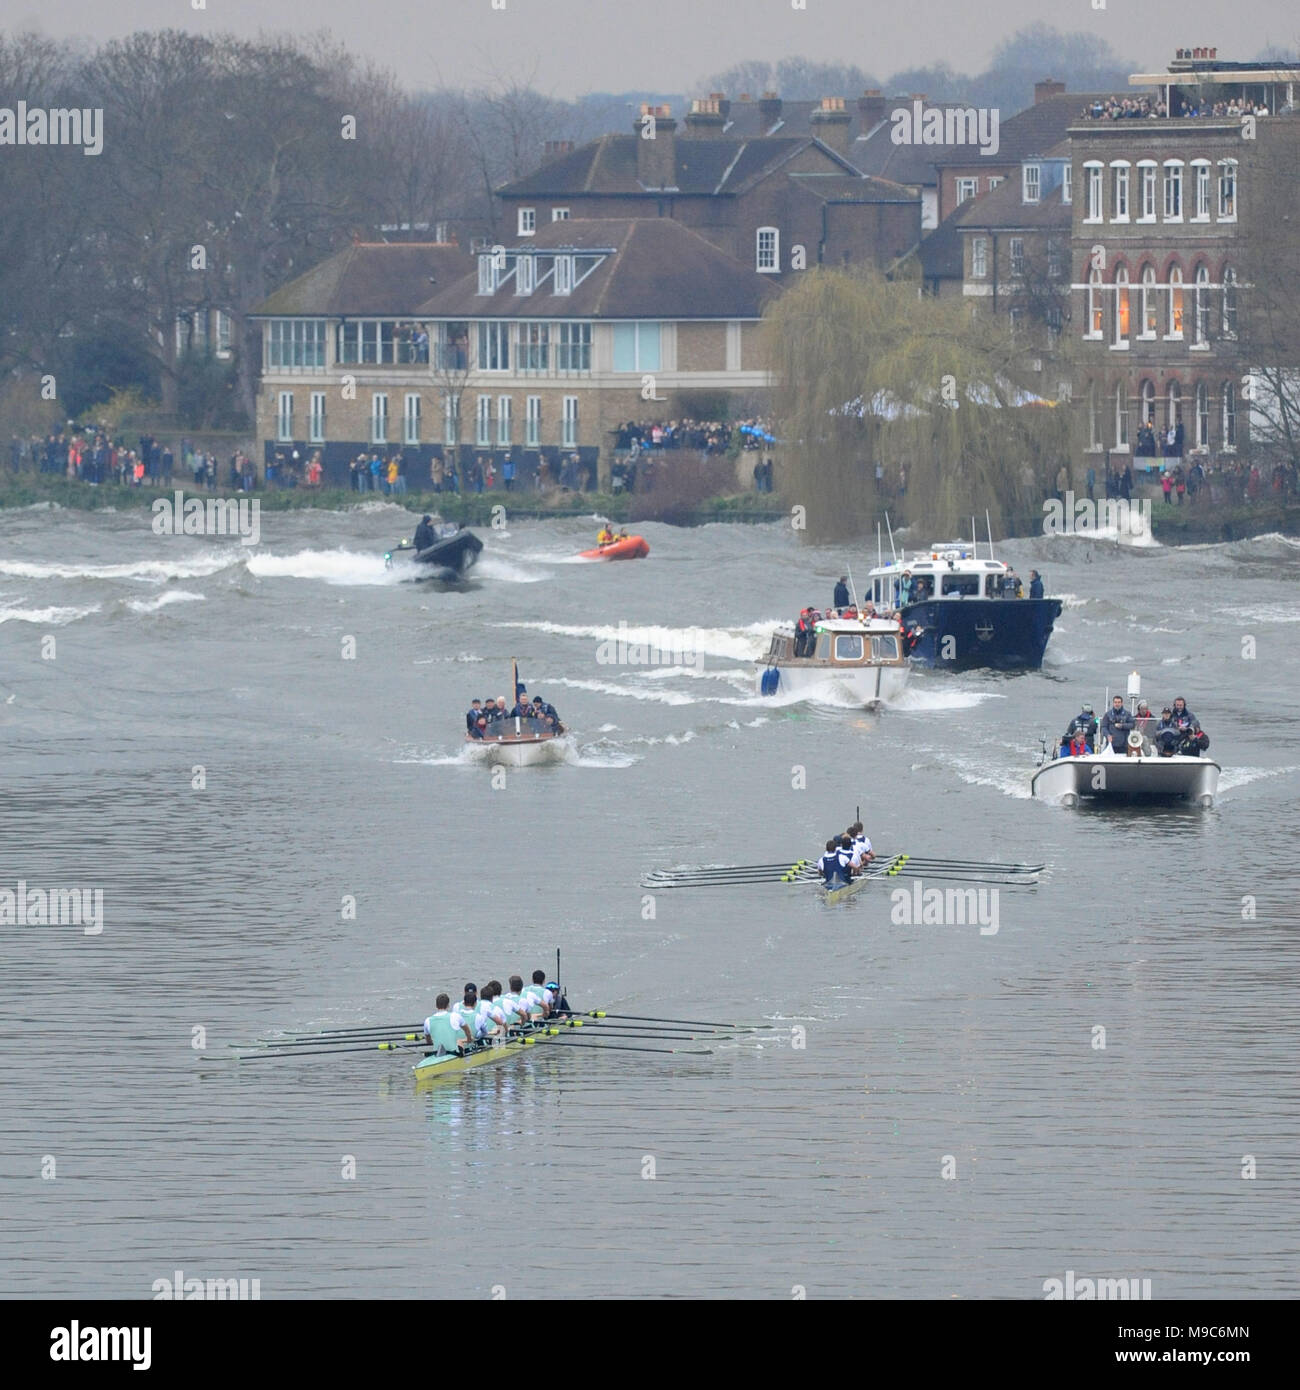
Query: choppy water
[775,1166]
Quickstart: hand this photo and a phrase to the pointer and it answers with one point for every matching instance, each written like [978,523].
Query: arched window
[1173,190]
[1229,415]
[1148,403]
[1121,417]
[1202,416]
[1175,405]
[1175,303]
[1096,309]
[1119,190]
[1093,173]
[1121,307]
[1149,319]
[1229,302]
[1227,190]
[1202,325]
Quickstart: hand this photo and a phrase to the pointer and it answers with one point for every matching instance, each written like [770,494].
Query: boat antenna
[989,526]
[892,552]
[853,593]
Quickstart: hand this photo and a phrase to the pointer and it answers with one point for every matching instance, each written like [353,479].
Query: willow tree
[869,372]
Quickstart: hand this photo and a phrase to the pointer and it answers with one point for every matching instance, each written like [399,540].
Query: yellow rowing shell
[442,1065]
[836,895]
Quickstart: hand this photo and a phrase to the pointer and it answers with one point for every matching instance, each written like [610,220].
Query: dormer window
[1032,182]
[524,267]
[563,274]
[527,221]
[487,275]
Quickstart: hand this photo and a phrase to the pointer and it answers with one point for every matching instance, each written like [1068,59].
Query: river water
[761,1169]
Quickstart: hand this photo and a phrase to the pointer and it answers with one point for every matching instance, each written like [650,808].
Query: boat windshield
[961,585]
[519,728]
[848,646]
[884,648]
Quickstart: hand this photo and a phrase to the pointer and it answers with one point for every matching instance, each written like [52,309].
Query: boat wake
[507,571]
[746,643]
[345,567]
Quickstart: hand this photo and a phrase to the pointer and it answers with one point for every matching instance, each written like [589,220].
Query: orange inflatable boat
[629,548]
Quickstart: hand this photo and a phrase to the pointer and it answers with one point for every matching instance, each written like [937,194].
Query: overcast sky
[573,46]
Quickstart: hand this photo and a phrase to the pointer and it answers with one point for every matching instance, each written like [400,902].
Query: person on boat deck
[606,536]
[1167,736]
[834,871]
[542,710]
[862,852]
[905,587]
[1116,725]
[841,599]
[424,536]
[1085,720]
[502,707]
[472,717]
[446,1029]
[1076,744]
[1182,715]
[1035,584]
[1194,741]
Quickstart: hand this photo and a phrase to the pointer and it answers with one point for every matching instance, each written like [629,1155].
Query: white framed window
[527,221]
[316,418]
[1119,192]
[995,181]
[1149,403]
[483,422]
[1150,311]
[1201,168]
[569,432]
[967,189]
[1147,173]
[1017,250]
[573,350]
[1031,182]
[559,214]
[534,352]
[1067,184]
[503,420]
[1174,407]
[284,417]
[1201,314]
[1016,317]
[1122,306]
[295,343]
[487,273]
[1121,417]
[494,346]
[1173,190]
[767,242]
[1175,303]
[1095,197]
[223,325]
[1229,302]
[451,420]
[1096,310]
[1227,190]
[636,347]
[1053,325]
[563,275]
[1229,415]
[1202,416]
[979,257]
[411,418]
[533,421]
[524,269]
[1055,259]
[379,417]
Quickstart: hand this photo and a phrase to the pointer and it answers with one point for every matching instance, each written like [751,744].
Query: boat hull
[433,1069]
[1000,634]
[868,685]
[522,752]
[845,891]
[633,548]
[1068,781]
[448,559]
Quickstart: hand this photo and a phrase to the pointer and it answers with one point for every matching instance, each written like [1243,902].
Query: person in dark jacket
[1182,715]
[1035,584]
[424,534]
[841,599]
[1117,724]
[472,717]
[541,710]
[1086,722]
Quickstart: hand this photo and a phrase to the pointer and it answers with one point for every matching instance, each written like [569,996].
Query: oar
[325,1051]
[724,868]
[622,1047]
[376,1036]
[686,1022]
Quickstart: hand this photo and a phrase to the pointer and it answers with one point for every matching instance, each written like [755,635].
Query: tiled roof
[369,278]
[847,188]
[941,251]
[1004,207]
[1030,133]
[658,268]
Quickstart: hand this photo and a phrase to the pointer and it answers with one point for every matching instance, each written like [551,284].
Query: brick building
[539,349]
[777,203]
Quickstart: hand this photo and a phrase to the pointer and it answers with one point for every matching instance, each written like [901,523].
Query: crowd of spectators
[92,454]
[1133,108]
[706,436]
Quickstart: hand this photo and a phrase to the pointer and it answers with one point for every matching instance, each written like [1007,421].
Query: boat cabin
[843,642]
[948,570]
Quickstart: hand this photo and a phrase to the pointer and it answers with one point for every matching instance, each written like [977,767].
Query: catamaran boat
[1141,773]
[863,655]
[960,610]
[521,742]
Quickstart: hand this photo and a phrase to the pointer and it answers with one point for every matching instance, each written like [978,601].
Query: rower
[490,1014]
[862,851]
[446,1029]
[538,990]
[424,535]
[513,1005]
[846,856]
[468,1010]
[834,873]
[524,1002]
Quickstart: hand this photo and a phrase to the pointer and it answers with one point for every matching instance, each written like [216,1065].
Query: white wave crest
[152,605]
[736,644]
[47,617]
[152,571]
[333,566]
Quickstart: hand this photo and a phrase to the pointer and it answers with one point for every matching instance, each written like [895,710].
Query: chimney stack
[769,110]
[553,149]
[705,118]
[656,154]
[723,104]
[830,123]
[871,109]
[1048,87]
